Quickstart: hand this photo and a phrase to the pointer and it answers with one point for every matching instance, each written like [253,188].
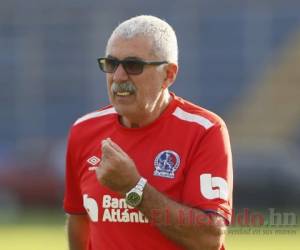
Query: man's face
[147,85]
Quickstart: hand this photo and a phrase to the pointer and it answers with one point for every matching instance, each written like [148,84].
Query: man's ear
[171,70]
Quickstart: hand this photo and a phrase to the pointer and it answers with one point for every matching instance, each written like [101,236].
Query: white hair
[159,31]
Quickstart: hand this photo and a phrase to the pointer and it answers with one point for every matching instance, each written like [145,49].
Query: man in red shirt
[152,170]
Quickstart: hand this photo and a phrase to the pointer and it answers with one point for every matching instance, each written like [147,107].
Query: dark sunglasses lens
[133,67]
[108,65]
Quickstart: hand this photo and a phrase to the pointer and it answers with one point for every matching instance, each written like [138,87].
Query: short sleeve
[208,182]
[73,202]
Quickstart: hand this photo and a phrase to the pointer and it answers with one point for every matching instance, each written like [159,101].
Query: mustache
[123,87]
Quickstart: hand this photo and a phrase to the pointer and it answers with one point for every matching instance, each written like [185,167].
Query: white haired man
[152,170]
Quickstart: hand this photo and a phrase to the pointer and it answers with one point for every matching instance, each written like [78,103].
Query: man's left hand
[116,170]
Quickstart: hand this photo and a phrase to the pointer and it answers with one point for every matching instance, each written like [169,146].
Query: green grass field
[32,237]
[40,232]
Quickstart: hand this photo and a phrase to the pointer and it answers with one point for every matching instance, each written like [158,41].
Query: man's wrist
[134,196]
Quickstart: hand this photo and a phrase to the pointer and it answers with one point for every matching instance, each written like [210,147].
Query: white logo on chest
[94,161]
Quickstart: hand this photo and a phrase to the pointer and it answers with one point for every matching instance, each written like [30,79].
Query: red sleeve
[73,202]
[208,183]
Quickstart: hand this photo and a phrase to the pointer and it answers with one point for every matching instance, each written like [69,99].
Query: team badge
[166,163]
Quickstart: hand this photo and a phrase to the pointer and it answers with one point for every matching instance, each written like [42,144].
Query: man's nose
[120,74]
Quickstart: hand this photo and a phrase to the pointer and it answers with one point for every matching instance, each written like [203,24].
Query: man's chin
[124,110]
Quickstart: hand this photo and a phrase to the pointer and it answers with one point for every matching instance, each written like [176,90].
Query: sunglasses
[131,66]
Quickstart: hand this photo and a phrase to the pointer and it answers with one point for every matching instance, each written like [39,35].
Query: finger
[105,147]
[102,166]
[100,173]
[108,150]
[116,147]
[108,156]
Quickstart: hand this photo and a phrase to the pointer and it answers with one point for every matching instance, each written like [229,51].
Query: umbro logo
[94,160]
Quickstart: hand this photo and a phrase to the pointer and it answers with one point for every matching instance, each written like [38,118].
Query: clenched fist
[116,170]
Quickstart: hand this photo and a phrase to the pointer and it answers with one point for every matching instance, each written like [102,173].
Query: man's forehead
[135,47]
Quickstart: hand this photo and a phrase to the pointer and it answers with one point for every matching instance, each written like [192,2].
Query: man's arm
[190,227]
[118,172]
[78,231]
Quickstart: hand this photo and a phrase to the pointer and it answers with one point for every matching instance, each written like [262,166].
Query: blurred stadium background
[240,59]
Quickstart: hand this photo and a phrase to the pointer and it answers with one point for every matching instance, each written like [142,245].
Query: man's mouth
[123,93]
[123,89]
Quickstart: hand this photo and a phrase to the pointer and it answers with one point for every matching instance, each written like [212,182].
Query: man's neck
[144,120]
